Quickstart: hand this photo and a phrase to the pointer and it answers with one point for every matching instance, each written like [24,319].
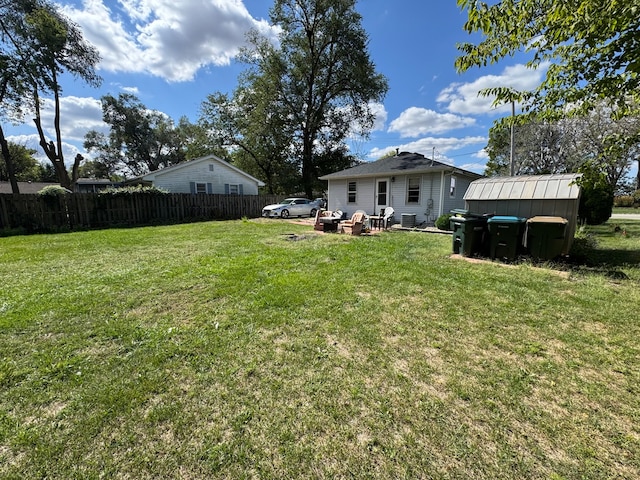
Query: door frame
[376,204]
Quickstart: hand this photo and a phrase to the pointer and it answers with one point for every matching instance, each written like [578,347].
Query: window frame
[201,187]
[417,190]
[352,194]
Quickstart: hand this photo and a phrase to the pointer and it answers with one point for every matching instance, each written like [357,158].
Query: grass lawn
[259,349]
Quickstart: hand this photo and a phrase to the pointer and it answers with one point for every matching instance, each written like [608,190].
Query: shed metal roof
[525,187]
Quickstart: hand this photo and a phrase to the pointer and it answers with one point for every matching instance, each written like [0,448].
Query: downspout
[441,206]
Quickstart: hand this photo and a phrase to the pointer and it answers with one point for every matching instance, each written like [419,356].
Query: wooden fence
[80,211]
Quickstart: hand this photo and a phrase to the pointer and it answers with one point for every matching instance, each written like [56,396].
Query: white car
[291,207]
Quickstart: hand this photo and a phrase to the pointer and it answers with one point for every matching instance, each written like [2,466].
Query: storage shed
[528,196]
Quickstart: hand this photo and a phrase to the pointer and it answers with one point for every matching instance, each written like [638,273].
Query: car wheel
[284,213]
[313,212]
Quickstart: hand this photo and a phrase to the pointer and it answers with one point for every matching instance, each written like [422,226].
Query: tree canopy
[301,99]
[140,140]
[591,48]
[37,44]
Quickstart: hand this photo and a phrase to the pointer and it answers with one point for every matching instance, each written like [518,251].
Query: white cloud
[78,115]
[380,113]
[32,141]
[426,146]
[464,98]
[171,39]
[474,167]
[415,121]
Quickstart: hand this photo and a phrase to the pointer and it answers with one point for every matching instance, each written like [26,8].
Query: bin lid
[506,219]
[546,219]
[478,220]
[460,212]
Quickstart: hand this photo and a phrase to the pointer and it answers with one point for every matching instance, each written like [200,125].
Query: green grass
[633,210]
[236,350]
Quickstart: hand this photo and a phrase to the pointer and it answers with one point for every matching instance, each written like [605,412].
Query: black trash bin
[468,234]
[545,236]
[505,234]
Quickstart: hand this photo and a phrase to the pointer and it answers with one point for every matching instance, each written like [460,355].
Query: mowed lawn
[260,349]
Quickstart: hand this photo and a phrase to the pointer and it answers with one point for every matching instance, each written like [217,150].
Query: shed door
[382,194]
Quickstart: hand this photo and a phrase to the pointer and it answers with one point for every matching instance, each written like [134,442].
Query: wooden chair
[354,225]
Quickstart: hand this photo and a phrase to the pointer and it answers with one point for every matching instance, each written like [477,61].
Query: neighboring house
[408,182]
[25,187]
[208,174]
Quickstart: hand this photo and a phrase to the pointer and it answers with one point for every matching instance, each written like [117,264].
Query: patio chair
[327,221]
[388,217]
[354,225]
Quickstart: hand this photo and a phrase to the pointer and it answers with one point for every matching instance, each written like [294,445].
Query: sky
[173,53]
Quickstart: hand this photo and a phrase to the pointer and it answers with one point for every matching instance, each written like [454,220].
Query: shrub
[442,223]
[583,245]
[53,191]
[136,189]
[636,198]
[596,201]
[623,201]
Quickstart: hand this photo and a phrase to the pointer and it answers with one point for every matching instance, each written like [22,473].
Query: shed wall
[565,208]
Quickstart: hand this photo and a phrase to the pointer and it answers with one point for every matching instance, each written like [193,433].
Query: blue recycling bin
[506,235]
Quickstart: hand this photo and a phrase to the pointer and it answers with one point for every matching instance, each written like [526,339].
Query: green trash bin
[545,236]
[505,234]
[468,234]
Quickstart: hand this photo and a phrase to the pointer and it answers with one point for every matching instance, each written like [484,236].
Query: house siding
[427,210]
[180,180]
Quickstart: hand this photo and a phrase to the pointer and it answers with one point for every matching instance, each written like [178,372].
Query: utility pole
[511,149]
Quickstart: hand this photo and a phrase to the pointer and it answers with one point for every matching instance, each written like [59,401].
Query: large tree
[25,167]
[17,73]
[140,140]
[592,48]
[318,82]
[566,145]
[56,45]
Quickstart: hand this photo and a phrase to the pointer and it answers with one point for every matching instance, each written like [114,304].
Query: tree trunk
[11,171]
[53,154]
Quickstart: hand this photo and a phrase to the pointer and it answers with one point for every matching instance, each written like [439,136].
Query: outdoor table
[377,221]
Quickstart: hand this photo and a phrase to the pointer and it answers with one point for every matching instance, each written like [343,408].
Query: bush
[636,198]
[126,191]
[53,191]
[596,201]
[623,201]
[442,223]
[583,245]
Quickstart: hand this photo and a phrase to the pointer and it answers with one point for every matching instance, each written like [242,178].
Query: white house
[209,174]
[408,182]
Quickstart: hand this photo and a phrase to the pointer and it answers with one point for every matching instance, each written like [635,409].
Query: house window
[452,187]
[413,190]
[211,167]
[351,192]
[201,187]
[233,189]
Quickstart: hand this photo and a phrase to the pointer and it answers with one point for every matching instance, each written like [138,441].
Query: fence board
[80,211]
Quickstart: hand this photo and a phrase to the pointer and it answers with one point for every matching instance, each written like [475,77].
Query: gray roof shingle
[401,164]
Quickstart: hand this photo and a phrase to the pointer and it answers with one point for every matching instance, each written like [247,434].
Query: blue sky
[173,53]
